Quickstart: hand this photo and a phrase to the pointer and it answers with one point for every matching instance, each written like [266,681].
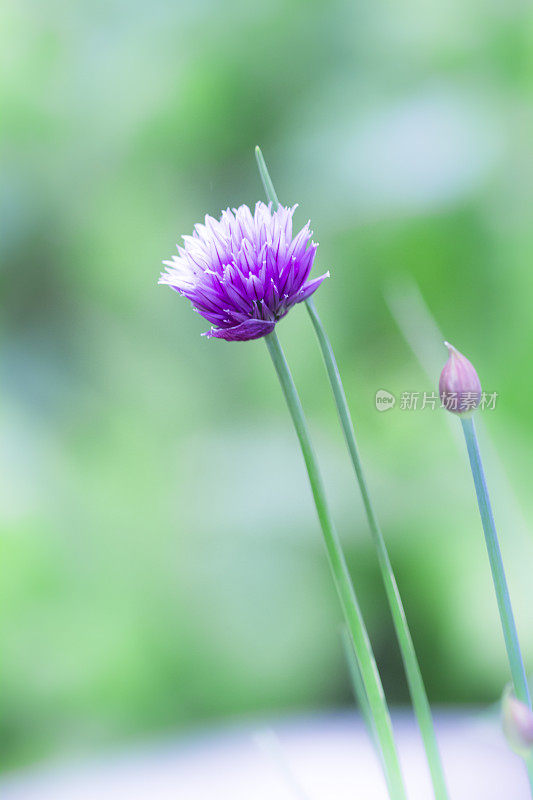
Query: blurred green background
[163,566]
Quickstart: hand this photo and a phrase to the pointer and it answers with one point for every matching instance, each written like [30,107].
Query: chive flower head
[244,271]
[459,386]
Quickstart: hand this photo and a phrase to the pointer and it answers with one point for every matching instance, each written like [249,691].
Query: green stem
[268,186]
[414,676]
[510,635]
[360,692]
[352,612]
[412,669]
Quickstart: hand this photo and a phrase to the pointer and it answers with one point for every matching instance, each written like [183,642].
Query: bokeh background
[162,564]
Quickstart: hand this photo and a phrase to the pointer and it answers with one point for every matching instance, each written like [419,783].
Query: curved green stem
[412,670]
[510,634]
[352,612]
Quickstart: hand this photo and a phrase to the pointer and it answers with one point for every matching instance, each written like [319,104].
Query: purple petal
[244,270]
[307,290]
[251,329]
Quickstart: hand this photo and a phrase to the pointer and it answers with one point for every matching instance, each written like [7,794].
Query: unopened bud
[459,386]
[517,722]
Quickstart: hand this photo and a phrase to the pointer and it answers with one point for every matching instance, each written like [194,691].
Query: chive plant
[414,676]
[243,273]
[460,392]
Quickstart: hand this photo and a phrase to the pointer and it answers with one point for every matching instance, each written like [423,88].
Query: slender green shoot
[266,179]
[510,634]
[343,583]
[359,691]
[414,676]
[412,669]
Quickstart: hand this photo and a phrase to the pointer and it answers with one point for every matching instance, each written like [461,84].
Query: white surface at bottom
[330,757]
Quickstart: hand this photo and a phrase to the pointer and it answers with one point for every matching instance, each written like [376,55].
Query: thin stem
[352,612]
[414,676]
[412,669]
[510,635]
[359,691]
[266,179]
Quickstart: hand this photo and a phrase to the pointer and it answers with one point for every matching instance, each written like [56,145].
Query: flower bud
[517,722]
[459,386]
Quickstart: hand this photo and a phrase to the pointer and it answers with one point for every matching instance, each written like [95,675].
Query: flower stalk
[414,676]
[459,383]
[514,654]
[359,691]
[352,612]
[412,669]
[510,635]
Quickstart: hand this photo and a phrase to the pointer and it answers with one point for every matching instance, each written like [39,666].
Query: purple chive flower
[459,386]
[245,271]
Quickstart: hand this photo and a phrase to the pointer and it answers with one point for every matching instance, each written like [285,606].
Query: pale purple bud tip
[459,386]
[517,722]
